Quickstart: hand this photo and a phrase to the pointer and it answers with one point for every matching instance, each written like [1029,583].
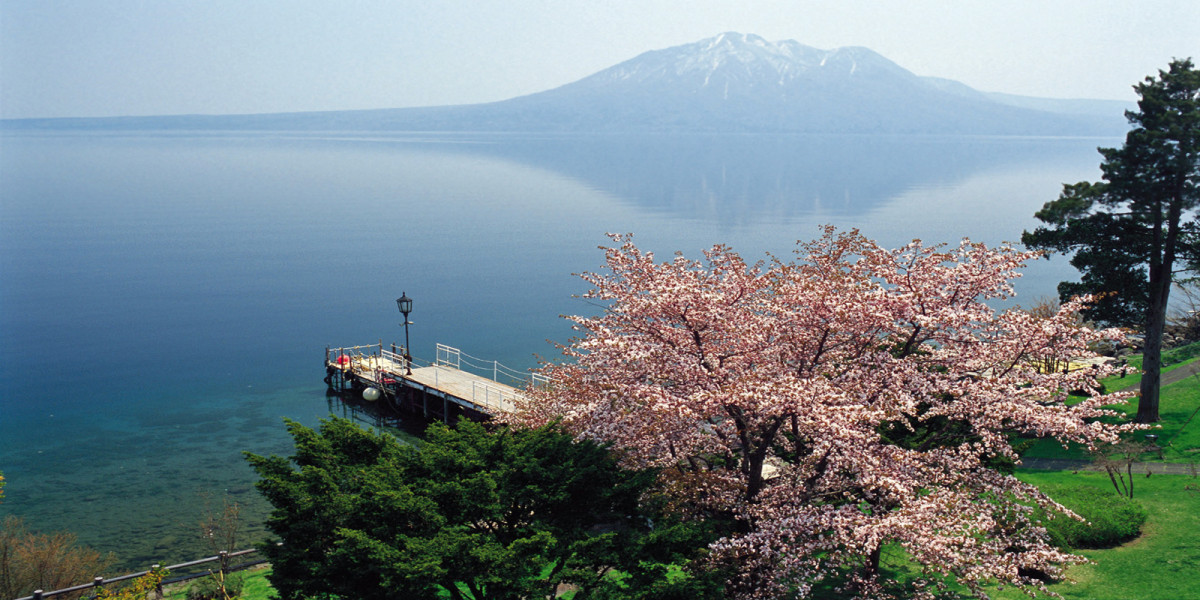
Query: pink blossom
[850,398]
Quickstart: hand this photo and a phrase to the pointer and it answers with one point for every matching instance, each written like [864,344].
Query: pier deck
[479,391]
[364,368]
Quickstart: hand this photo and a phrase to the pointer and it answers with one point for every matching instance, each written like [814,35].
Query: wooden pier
[443,389]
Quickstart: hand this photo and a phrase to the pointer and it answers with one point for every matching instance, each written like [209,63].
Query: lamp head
[404,303]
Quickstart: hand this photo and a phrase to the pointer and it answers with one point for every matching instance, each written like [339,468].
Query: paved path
[1181,373]
[1139,468]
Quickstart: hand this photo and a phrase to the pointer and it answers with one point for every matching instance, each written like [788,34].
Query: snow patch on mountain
[736,63]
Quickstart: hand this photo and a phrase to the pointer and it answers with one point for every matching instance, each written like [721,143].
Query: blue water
[165,299]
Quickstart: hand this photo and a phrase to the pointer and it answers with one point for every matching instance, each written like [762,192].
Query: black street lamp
[404,303]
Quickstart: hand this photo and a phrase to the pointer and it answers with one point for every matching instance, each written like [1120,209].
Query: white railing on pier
[449,356]
[350,352]
[392,361]
[486,395]
[376,364]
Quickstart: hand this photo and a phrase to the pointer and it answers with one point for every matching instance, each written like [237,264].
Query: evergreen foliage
[1131,232]
[512,514]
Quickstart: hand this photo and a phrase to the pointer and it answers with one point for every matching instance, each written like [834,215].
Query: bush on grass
[1110,519]
[216,587]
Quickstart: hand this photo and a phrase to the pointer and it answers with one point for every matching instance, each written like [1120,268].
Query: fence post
[37,594]
[98,582]
[224,555]
[158,588]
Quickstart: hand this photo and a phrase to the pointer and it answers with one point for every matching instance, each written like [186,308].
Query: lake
[166,298]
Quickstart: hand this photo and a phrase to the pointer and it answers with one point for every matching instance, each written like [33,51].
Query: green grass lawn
[1178,402]
[255,587]
[1161,564]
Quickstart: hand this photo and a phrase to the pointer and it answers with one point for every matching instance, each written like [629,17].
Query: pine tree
[1134,231]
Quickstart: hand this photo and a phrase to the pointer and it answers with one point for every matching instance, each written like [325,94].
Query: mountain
[1076,106]
[730,83]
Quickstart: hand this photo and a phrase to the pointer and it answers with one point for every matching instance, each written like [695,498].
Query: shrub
[138,589]
[31,560]
[1110,519]
[217,587]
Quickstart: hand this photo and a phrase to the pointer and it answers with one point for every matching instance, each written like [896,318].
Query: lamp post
[404,303]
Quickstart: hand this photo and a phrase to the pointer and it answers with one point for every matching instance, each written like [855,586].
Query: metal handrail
[447,357]
[488,392]
[223,558]
[398,360]
[455,358]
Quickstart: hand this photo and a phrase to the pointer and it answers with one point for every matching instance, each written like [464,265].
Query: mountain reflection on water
[750,179]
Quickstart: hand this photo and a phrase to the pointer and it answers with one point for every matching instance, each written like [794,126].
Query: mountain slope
[730,83]
[737,82]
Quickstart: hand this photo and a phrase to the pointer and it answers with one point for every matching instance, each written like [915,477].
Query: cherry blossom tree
[830,405]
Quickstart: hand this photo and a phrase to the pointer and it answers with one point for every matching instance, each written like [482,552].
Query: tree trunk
[1162,259]
[1152,361]
[874,559]
[870,570]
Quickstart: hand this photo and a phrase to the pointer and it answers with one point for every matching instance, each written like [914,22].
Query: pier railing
[488,396]
[449,356]
[374,364]
[393,361]
[372,357]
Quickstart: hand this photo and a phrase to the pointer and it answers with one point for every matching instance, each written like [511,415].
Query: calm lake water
[166,298]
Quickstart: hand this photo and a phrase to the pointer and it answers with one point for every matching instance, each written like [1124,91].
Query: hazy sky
[129,57]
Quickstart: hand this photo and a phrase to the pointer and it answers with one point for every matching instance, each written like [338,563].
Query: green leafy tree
[1133,231]
[513,514]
